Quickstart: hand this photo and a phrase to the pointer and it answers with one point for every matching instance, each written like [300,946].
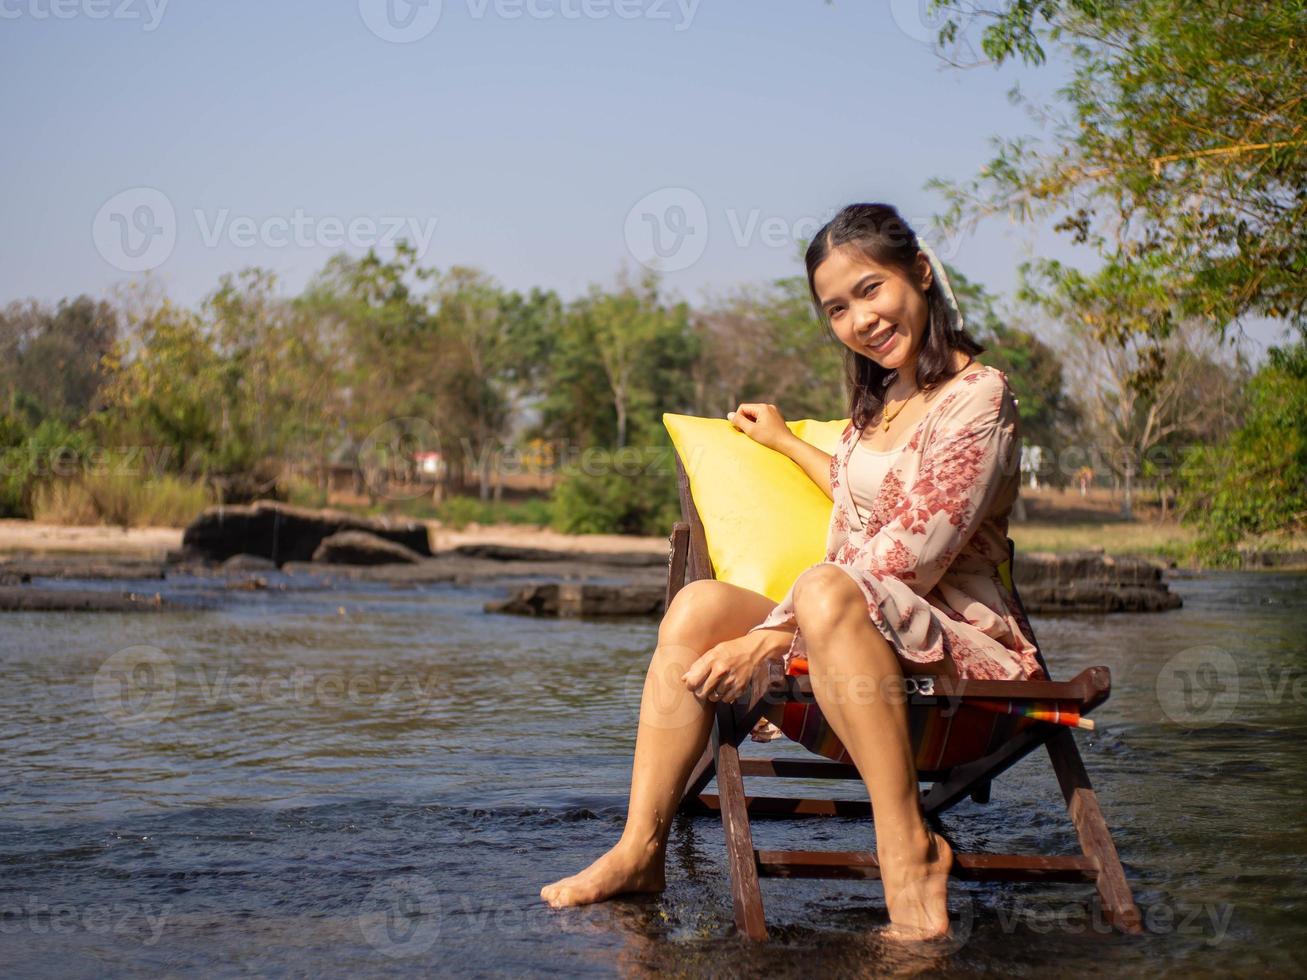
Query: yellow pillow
[764,519]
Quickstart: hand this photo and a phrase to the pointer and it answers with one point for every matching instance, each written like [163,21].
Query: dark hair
[881,234]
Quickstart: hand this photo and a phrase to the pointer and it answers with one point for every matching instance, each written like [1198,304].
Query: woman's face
[875,310]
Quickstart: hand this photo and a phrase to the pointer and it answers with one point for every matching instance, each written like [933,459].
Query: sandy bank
[30,537]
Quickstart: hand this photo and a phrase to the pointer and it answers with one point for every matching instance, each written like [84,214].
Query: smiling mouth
[884,340]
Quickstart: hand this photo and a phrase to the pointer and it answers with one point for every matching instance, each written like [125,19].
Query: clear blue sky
[526,139]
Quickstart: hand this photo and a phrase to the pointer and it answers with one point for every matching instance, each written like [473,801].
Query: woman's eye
[870,288]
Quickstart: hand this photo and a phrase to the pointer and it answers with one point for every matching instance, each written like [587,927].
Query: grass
[456,512]
[122,501]
[1167,541]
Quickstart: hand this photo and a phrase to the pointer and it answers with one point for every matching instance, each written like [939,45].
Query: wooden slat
[796,769]
[1090,688]
[745,892]
[677,561]
[700,565]
[1091,827]
[786,806]
[966,867]
[955,785]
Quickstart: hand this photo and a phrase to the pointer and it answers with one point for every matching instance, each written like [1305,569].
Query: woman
[921,484]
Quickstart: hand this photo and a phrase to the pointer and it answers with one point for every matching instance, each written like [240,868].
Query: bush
[458,512]
[31,458]
[611,501]
[1256,483]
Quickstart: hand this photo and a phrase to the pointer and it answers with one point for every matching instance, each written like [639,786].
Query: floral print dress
[927,557]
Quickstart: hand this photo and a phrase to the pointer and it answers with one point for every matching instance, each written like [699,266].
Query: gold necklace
[890,416]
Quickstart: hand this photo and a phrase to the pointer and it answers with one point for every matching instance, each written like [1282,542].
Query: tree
[1255,482]
[1180,158]
[1131,421]
[622,358]
[51,359]
[765,343]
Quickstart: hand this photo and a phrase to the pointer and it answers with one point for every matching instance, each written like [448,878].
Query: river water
[357,780]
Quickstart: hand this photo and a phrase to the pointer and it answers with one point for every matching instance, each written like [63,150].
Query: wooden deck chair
[964,734]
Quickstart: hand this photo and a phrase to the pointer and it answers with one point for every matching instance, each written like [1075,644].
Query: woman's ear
[926,274]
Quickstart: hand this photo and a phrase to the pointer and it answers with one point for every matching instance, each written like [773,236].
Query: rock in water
[581,599]
[284,533]
[362,548]
[1087,581]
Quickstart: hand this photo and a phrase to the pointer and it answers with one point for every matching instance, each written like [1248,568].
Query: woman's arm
[763,423]
[812,460]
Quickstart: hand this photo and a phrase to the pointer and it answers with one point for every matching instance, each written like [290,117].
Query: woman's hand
[725,671]
[763,423]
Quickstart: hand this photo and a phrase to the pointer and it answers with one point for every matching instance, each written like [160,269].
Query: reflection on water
[373,781]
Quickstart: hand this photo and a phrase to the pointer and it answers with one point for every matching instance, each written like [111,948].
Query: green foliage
[1180,159]
[1256,482]
[618,492]
[31,458]
[460,511]
[50,359]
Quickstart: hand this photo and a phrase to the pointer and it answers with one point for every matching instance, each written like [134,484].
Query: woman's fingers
[706,676]
[748,414]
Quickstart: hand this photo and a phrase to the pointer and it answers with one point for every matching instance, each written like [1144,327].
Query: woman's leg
[672,732]
[857,680]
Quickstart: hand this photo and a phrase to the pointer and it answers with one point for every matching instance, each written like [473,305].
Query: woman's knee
[824,596]
[697,608]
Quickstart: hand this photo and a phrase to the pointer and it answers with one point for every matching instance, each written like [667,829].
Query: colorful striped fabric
[942,736]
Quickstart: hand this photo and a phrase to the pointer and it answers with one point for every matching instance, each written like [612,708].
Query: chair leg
[1095,838]
[700,776]
[746,895]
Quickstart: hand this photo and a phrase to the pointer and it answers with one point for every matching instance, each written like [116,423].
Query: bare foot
[622,870]
[917,896]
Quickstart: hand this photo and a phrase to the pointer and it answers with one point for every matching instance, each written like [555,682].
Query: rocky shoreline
[537,582]
[275,546]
